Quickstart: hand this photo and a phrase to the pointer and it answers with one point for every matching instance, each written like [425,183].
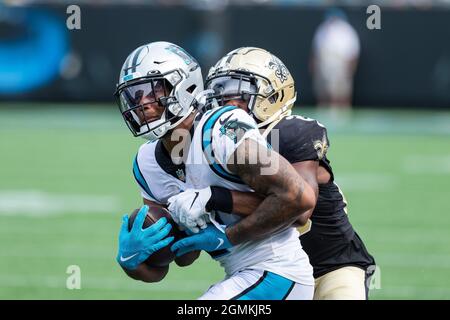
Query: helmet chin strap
[190,110]
[157,128]
[284,111]
[163,125]
[156,133]
[199,99]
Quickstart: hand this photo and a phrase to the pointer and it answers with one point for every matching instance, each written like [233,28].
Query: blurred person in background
[334,60]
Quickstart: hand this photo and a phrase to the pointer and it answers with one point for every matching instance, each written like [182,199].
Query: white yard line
[36,203]
[413,260]
[97,283]
[427,164]
[366,181]
[110,284]
[411,292]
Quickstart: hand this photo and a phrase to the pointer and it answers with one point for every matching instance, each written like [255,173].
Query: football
[164,256]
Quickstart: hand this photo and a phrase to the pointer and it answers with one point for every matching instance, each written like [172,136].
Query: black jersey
[328,238]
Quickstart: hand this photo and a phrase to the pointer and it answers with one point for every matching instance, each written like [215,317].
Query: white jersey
[155,173]
[215,139]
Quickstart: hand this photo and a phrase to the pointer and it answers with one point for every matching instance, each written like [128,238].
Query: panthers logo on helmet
[187,58]
[281,71]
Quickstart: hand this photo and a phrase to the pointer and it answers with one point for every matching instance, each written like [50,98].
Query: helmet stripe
[135,58]
[126,65]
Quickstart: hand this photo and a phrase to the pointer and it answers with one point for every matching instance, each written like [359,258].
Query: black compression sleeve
[221,199]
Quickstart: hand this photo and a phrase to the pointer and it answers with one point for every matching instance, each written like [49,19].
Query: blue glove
[209,239]
[137,245]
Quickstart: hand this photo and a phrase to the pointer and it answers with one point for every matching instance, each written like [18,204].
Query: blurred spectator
[334,60]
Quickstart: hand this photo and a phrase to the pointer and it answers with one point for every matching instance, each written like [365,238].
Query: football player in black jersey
[341,262]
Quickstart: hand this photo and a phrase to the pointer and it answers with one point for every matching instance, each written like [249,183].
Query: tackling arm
[245,203]
[308,171]
[286,194]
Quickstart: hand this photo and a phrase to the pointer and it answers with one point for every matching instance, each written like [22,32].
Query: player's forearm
[245,203]
[309,171]
[279,210]
[274,213]
[287,197]
[147,274]
[231,201]
[187,259]
[302,219]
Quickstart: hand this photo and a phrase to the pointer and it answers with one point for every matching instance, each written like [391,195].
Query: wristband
[221,199]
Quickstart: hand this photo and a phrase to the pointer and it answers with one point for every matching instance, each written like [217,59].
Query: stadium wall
[406,63]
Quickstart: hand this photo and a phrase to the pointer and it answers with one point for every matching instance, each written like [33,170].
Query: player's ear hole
[191,88]
[273,98]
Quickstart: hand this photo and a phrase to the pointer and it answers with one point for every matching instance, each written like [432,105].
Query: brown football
[164,256]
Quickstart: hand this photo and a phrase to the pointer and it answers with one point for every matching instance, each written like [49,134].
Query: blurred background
[382,88]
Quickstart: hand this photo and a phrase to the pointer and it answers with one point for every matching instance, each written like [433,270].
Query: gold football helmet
[257,77]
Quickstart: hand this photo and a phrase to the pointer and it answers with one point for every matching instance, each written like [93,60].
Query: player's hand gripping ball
[163,256]
[145,236]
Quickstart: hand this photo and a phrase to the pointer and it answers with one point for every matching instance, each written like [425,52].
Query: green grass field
[66,180]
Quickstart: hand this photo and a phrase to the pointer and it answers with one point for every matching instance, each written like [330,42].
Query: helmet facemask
[254,90]
[136,97]
[235,86]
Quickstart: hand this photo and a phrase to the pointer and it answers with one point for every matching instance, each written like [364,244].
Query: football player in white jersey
[261,253]
[156,93]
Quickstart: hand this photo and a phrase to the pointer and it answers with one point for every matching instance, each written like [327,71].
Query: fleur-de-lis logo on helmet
[281,71]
